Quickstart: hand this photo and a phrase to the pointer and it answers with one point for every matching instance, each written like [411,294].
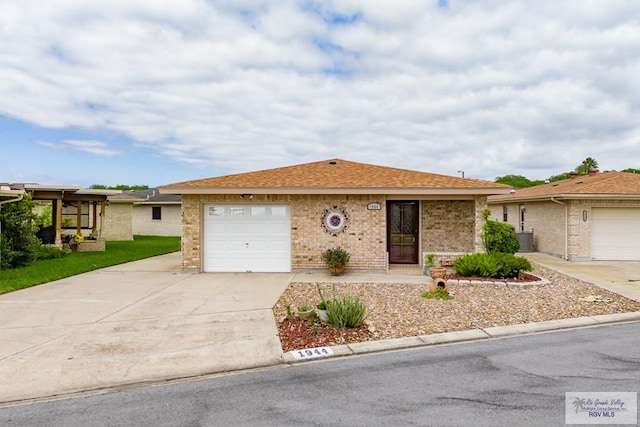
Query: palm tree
[588,163]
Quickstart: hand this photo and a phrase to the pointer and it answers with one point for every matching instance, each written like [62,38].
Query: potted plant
[322,310]
[75,241]
[336,259]
[438,272]
[305,312]
[429,261]
[322,305]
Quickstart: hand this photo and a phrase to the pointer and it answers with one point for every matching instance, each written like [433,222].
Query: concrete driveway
[621,277]
[140,321]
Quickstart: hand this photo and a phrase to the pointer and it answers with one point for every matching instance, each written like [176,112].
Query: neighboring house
[74,210]
[156,214]
[282,219]
[118,217]
[590,217]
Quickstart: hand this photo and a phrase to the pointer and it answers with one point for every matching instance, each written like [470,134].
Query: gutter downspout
[566,227]
[16,199]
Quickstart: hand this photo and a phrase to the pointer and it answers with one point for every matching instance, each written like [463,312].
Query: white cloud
[488,87]
[96,148]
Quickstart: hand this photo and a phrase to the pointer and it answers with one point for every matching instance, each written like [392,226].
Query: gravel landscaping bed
[397,310]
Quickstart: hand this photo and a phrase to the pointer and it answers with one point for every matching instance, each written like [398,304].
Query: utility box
[525,238]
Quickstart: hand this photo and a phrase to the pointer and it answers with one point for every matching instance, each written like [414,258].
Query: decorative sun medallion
[334,220]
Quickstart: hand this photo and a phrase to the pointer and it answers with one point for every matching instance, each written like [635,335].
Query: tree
[122,187]
[517,181]
[588,163]
[560,177]
[45,217]
[18,244]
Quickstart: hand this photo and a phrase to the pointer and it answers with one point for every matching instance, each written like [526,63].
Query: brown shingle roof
[607,184]
[331,176]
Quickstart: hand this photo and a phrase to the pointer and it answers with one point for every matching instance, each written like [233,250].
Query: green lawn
[81,262]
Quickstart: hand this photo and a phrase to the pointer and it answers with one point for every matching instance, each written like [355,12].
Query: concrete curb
[368,347]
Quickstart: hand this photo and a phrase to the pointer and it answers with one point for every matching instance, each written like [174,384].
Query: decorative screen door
[402,232]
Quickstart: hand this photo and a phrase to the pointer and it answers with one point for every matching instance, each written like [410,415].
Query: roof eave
[568,196]
[335,190]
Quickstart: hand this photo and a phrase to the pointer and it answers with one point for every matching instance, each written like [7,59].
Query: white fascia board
[43,187]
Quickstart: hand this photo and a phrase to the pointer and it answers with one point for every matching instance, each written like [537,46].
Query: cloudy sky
[153,92]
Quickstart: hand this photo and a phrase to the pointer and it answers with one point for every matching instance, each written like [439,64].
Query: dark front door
[402,232]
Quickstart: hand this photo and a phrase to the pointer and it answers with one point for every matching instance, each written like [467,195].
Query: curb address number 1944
[310,353]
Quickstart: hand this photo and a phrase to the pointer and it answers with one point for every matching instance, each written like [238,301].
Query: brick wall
[448,226]
[546,219]
[364,238]
[118,222]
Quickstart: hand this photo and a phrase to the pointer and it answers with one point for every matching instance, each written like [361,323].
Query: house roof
[152,196]
[620,185]
[62,192]
[335,176]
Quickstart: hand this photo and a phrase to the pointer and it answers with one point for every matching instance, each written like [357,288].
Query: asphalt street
[515,381]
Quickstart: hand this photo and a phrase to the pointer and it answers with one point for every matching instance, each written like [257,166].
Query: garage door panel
[615,234]
[247,238]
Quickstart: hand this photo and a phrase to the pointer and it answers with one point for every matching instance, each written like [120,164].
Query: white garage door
[240,238]
[615,234]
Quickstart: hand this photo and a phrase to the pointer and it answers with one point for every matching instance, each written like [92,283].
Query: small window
[505,213]
[258,211]
[216,211]
[278,211]
[156,213]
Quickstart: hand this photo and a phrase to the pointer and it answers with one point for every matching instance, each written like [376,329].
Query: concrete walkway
[146,321]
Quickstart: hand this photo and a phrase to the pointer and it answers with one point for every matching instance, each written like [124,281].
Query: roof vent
[333,162]
[573,174]
[592,171]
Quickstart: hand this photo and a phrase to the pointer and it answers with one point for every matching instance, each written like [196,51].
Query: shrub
[346,312]
[511,265]
[335,257]
[499,237]
[19,245]
[50,252]
[480,265]
[498,265]
[439,293]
